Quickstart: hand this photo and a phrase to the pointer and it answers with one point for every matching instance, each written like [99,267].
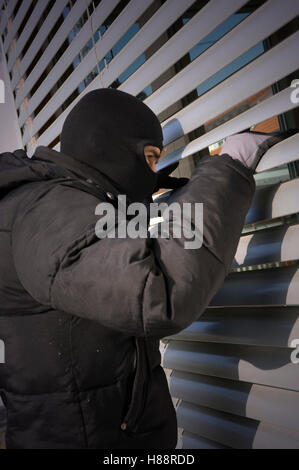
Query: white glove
[249,147]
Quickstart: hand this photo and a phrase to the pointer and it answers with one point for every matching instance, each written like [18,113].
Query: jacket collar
[80,169]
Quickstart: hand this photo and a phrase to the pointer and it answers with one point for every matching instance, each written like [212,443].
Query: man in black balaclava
[81,316]
[116,129]
[123,140]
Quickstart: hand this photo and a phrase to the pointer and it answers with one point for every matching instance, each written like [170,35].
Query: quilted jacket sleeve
[142,287]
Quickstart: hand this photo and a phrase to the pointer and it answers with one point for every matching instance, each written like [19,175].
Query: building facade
[208,69]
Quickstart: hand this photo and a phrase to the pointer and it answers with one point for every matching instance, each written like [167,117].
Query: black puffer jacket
[81,317]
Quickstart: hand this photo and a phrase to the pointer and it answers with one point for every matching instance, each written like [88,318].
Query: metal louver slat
[277,104]
[11,5]
[227,49]
[277,327]
[154,27]
[22,39]
[98,17]
[285,152]
[8,12]
[207,19]
[260,365]
[25,33]
[191,441]
[277,244]
[114,33]
[270,202]
[49,53]
[234,431]
[2,22]
[50,21]
[279,286]
[110,38]
[249,80]
[274,201]
[272,405]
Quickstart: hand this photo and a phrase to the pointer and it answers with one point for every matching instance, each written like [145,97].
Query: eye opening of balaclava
[108,130]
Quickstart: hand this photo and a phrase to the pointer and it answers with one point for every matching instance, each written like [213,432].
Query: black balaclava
[107,130]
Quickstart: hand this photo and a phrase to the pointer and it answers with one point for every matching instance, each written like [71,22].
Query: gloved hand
[169,182]
[249,147]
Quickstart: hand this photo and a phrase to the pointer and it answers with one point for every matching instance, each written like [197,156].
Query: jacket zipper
[139,389]
[142,368]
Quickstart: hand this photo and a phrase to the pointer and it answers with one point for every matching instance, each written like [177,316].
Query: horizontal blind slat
[273,405]
[278,326]
[31,23]
[279,286]
[118,28]
[196,29]
[226,50]
[153,28]
[252,78]
[285,152]
[50,21]
[267,366]
[70,54]
[277,244]
[233,431]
